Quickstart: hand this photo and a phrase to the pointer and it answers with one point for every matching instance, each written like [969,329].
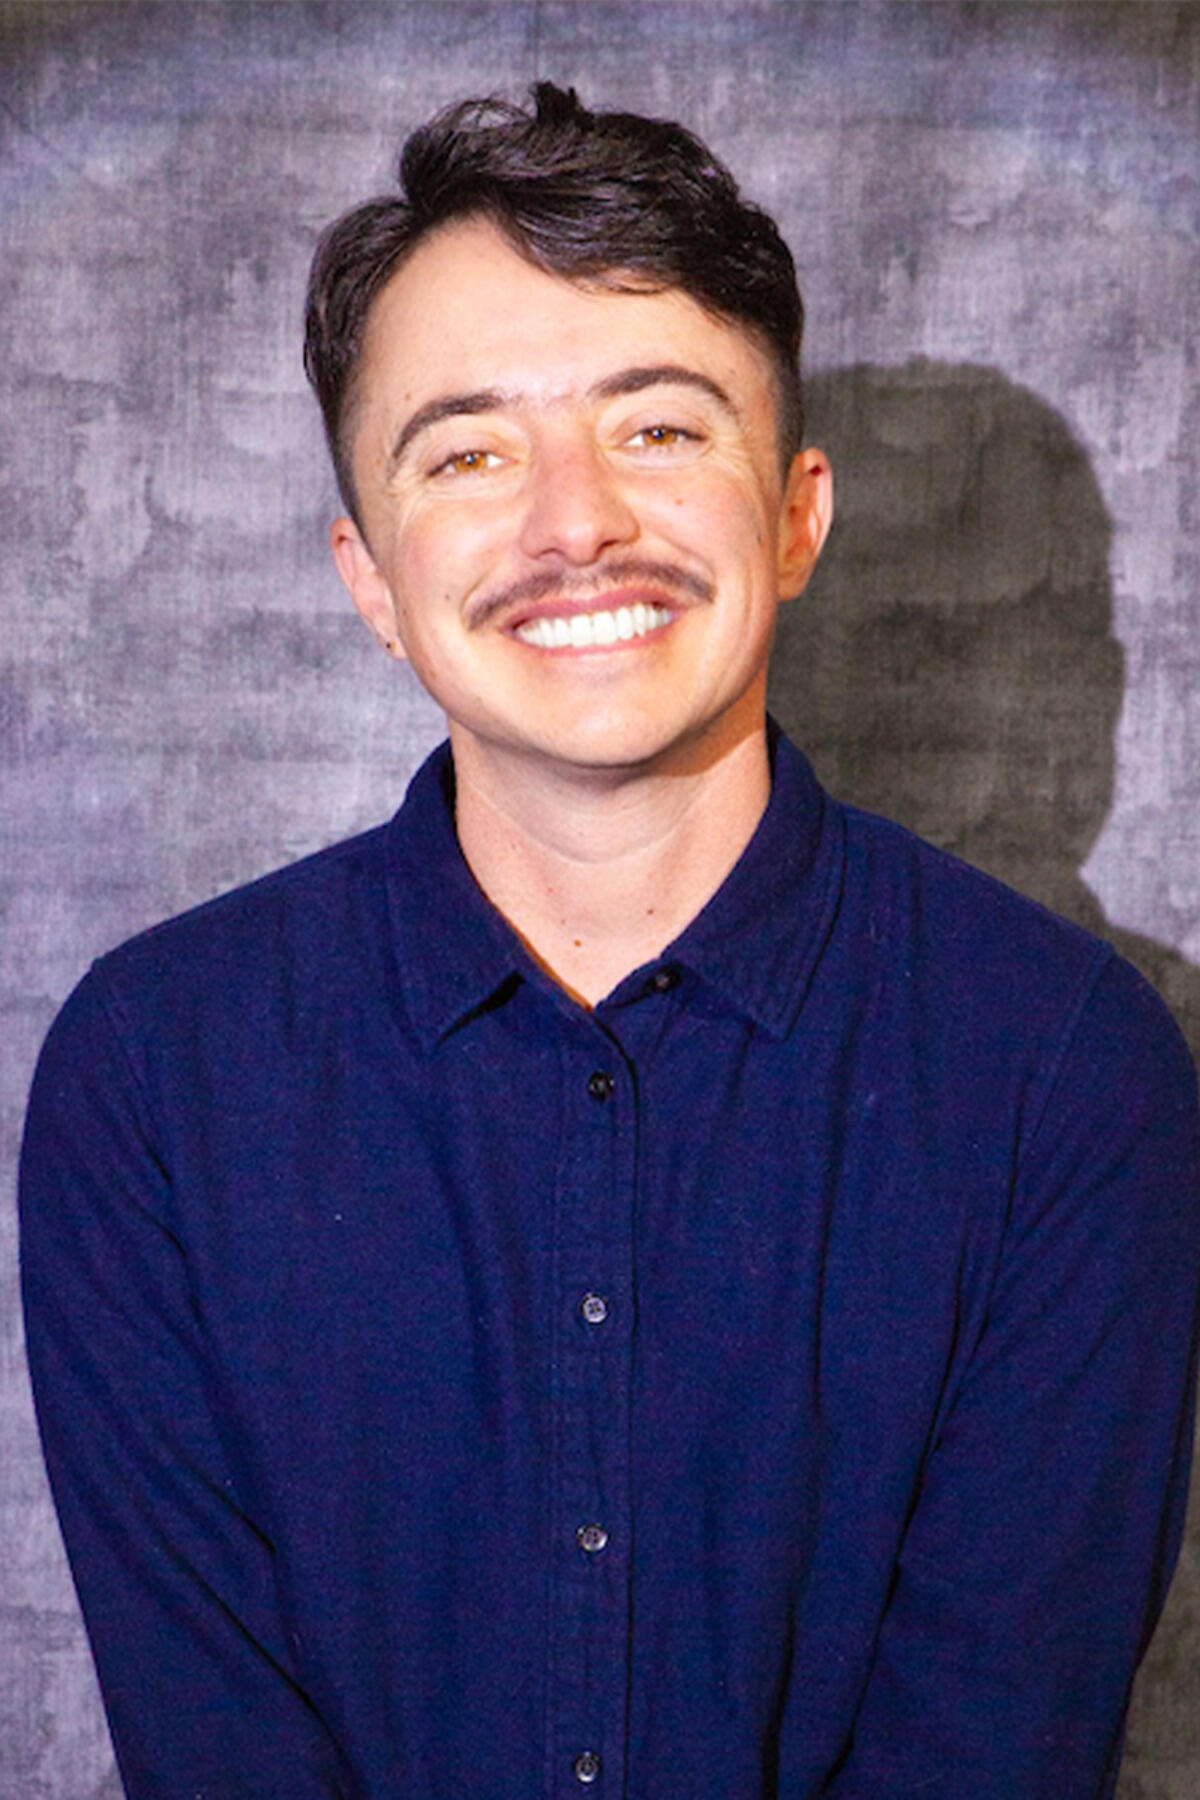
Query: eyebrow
[625,381]
[448,407]
[632,381]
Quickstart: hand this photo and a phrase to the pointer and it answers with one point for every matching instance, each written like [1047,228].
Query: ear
[365,583]
[805,516]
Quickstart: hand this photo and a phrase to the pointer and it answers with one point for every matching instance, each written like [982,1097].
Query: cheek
[443,553]
[718,510]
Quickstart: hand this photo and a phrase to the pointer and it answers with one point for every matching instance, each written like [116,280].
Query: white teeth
[582,630]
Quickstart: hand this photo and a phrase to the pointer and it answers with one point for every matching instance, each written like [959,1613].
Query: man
[632,1277]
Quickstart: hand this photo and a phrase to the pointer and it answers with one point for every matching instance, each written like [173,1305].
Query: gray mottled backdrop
[995,214]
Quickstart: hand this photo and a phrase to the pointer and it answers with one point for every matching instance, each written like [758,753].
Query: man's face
[574,521]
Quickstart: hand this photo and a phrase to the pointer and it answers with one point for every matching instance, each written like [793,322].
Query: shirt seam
[119,1025]
[1103,957]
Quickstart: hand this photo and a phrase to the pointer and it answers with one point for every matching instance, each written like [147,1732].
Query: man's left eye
[661,437]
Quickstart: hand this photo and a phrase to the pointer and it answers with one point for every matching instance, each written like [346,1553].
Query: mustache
[543,582]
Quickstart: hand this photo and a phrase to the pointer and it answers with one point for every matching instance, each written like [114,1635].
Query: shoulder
[305,909]
[231,971]
[938,914]
[990,974]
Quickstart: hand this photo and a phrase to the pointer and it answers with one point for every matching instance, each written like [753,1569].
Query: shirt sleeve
[1037,1557]
[176,1581]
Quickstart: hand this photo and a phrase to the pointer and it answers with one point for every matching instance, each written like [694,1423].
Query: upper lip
[553,594]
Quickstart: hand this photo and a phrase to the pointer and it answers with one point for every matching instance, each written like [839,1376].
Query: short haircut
[605,198]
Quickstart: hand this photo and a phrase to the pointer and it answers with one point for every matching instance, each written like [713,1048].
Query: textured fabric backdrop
[995,213]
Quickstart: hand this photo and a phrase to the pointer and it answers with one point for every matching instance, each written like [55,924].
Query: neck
[597,872]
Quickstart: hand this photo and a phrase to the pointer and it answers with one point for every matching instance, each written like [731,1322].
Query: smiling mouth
[585,630]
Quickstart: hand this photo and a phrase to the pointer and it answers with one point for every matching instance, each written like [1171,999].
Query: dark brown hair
[592,196]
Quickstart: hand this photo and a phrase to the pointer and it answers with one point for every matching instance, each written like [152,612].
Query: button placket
[594,1235]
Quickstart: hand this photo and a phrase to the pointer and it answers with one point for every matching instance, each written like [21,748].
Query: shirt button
[600,1084]
[594,1308]
[664,980]
[587,1768]
[592,1538]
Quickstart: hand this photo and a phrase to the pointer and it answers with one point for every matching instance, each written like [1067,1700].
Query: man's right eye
[467,462]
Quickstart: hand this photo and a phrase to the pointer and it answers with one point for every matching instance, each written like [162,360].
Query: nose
[576,508]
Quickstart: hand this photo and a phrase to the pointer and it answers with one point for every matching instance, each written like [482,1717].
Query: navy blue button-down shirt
[772,1383]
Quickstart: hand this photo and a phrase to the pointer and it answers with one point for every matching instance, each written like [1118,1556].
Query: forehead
[466,306]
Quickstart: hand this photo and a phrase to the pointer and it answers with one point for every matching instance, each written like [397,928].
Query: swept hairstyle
[605,198]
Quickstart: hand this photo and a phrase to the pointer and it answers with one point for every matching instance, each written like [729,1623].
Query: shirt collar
[760,938]
[454,949]
[757,941]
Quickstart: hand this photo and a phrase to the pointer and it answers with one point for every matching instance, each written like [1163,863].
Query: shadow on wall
[953,664]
